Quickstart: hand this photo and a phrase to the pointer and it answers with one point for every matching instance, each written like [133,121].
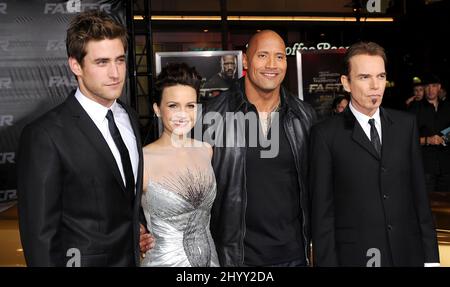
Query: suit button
[389,227]
[383,169]
[385,196]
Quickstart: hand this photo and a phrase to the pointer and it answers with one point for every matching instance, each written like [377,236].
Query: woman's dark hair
[176,74]
[337,101]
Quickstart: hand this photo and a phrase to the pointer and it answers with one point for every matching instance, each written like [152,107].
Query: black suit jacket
[361,201]
[71,194]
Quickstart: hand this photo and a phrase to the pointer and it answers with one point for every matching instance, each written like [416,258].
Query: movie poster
[218,68]
[318,75]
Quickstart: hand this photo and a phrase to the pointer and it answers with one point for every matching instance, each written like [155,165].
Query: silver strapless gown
[178,214]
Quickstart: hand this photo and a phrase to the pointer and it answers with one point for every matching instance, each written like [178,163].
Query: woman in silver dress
[179,182]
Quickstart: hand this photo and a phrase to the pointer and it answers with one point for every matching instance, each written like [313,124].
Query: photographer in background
[433,117]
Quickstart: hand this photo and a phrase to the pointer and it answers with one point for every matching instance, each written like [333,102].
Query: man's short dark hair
[93,25]
[362,48]
[176,74]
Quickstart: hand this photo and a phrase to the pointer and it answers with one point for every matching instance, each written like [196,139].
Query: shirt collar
[96,111]
[364,119]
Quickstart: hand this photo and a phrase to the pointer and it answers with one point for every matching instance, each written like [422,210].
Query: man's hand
[146,240]
[410,100]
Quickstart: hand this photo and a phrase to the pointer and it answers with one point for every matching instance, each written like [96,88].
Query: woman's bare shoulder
[152,148]
[204,146]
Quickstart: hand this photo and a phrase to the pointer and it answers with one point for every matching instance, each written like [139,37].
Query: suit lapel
[387,134]
[90,130]
[358,134]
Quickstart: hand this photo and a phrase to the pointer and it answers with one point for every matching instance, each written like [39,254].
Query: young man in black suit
[369,203]
[80,164]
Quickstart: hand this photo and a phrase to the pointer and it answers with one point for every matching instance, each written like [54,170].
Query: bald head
[263,35]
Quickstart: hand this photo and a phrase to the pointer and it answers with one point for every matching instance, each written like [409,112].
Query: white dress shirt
[97,113]
[363,121]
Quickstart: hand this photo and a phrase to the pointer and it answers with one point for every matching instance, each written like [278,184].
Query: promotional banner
[318,75]
[34,74]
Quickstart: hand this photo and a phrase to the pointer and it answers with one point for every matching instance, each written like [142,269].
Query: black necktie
[124,155]
[374,137]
